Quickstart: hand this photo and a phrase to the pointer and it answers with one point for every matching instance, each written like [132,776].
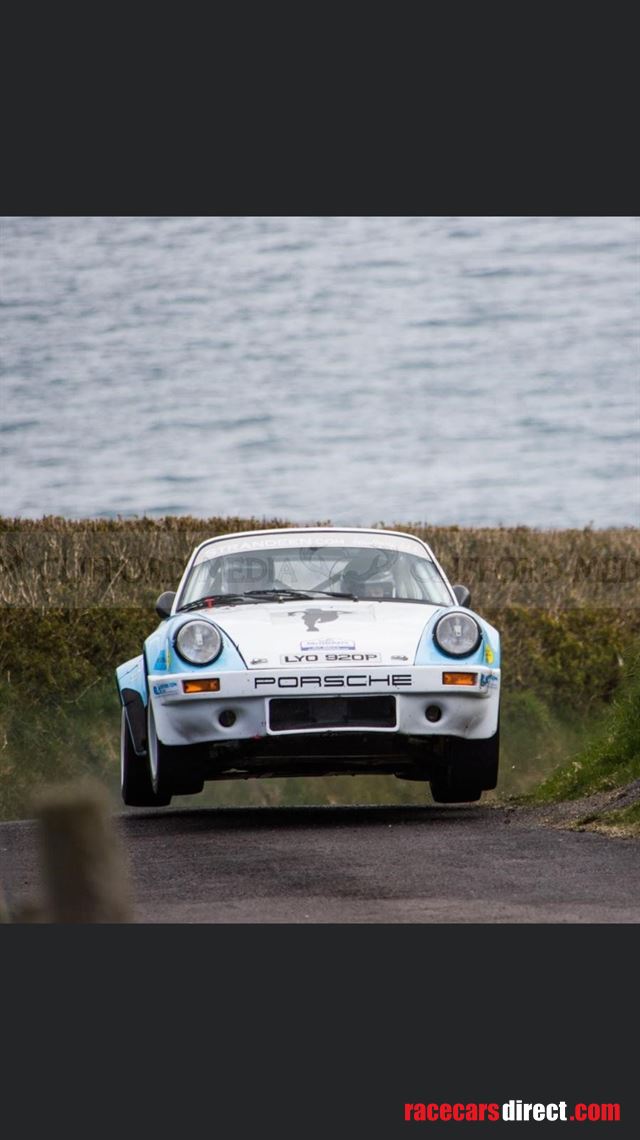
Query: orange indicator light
[459,678]
[212,686]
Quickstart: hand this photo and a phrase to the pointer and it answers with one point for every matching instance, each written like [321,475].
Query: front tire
[470,768]
[135,777]
[175,770]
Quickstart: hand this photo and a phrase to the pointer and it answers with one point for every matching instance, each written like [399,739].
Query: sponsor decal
[315,617]
[488,680]
[326,643]
[488,655]
[336,681]
[329,658]
[399,657]
[313,540]
[163,659]
[258,660]
[311,617]
[165,687]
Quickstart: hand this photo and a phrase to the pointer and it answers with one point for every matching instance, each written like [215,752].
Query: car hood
[300,633]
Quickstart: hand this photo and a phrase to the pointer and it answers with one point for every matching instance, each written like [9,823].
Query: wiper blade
[334,594]
[254,597]
[310,594]
[216,600]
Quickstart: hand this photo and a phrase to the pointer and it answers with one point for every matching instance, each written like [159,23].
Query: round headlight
[457,634]
[198,642]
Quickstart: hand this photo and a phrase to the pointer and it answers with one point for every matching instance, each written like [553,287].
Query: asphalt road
[348,864]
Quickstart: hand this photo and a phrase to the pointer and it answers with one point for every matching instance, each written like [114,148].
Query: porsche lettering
[337,681]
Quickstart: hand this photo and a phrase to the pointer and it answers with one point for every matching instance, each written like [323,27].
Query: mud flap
[136,715]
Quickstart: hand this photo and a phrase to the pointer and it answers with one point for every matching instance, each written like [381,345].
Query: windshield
[365,572]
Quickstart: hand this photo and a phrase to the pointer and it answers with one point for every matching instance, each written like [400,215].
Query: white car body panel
[471,712]
[269,632]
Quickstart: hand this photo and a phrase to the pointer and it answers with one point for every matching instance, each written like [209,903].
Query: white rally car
[312,651]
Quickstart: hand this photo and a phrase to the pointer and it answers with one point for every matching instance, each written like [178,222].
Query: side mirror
[462,594]
[164,603]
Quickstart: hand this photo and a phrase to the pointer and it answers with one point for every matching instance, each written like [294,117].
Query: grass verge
[611,758]
[623,823]
[597,788]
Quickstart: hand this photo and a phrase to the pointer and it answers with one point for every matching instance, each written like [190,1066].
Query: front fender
[134,696]
[487,653]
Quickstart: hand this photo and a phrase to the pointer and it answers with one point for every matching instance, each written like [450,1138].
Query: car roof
[311,530]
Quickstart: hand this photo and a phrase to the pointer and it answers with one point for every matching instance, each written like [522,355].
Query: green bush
[571,660]
[611,757]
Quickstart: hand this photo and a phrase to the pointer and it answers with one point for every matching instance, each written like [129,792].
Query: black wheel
[135,777]
[174,770]
[470,768]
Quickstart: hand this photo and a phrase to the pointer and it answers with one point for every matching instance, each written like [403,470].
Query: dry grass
[97,562]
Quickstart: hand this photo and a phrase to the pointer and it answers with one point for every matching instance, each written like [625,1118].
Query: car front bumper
[469,711]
